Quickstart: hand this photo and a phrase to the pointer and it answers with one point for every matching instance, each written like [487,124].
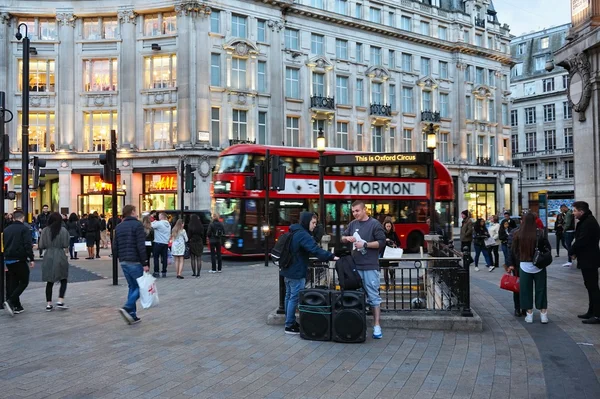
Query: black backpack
[219,232]
[281,254]
[347,274]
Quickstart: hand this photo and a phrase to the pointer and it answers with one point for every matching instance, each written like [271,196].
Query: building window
[517,70]
[468,73]
[239,128]
[41,76]
[406,140]
[377,133]
[443,148]
[215,69]
[444,105]
[238,26]
[359,137]
[407,100]
[544,42]
[425,28]
[262,76]
[550,139]
[96,129]
[480,146]
[478,40]
[160,128]
[540,63]
[341,89]
[392,147]
[568,137]
[160,71]
[375,15]
[392,18]
[530,116]
[262,127]
[505,114]
[479,76]
[392,59]
[292,82]
[551,170]
[531,171]
[565,81]
[514,118]
[442,33]
[292,131]
[425,64]
[40,28]
[406,23]
[215,127]
[491,111]
[360,93]
[407,62]
[443,70]
[261,30]
[468,108]
[342,135]
[549,113]
[316,44]
[548,84]
[514,142]
[376,89]
[100,75]
[569,170]
[317,125]
[341,6]
[470,158]
[42,131]
[521,47]
[490,42]
[238,73]
[160,24]
[341,49]
[567,110]
[359,52]
[100,28]
[375,55]
[318,84]
[530,142]
[392,94]
[492,78]
[492,153]
[479,109]
[215,22]
[291,39]
[358,11]
[317,4]
[426,102]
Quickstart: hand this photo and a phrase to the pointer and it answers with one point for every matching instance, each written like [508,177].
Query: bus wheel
[414,241]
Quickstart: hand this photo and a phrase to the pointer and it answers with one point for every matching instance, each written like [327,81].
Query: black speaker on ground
[315,314]
[348,316]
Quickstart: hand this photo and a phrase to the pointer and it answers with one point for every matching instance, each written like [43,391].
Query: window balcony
[381,110]
[322,102]
[429,116]
[480,22]
[543,153]
[483,161]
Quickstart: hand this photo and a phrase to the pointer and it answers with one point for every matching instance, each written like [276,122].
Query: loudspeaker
[315,314]
[348,316]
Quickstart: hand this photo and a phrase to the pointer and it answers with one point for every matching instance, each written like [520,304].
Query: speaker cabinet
[348,316]
[315,314]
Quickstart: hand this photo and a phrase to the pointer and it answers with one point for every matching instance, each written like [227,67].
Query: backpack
[219,232]
[347,274]
[281,254]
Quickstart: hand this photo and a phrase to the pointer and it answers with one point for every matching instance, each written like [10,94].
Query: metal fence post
[281,309]
[466,286]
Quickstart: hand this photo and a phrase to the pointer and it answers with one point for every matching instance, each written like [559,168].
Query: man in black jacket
[129,246]
[41,222]
[18,249]
[585,249]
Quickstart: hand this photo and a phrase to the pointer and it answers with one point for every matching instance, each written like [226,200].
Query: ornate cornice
[5,18]
[241,48]
[579,64]
[193,8]
[378,72]
[66,19]
[319,62]
[126,16]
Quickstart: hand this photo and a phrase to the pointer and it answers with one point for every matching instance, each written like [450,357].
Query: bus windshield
[234,163]
[229,211]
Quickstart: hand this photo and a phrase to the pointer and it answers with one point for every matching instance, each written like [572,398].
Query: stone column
[66,82]
[460,124]
[201,81]
[6,34]
[276,114]
[127,78]
[67,197]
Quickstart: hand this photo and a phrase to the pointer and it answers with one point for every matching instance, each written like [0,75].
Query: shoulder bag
[542,257]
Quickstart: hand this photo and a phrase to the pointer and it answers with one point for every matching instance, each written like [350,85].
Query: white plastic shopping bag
[394,253]
[148,293]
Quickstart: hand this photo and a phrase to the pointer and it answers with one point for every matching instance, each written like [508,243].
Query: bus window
[307,166]
[384,209]
[413,211]
[229,210]
[288,212]
[233,163]
[414,171]
[289,164]
[364,171]
[339,170]
[388,170]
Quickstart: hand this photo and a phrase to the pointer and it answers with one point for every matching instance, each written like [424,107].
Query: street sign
[8,174]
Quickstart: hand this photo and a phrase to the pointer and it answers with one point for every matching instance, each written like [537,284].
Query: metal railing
[429,116]
[322,102]
[381,110]
[541,153]
[480,22]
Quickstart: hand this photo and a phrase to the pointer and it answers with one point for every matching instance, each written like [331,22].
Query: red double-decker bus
[389,190]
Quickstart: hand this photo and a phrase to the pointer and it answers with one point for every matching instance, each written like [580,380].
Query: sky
[525,16]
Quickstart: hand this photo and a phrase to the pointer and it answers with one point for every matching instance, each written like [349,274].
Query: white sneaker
[491,269]
[212,271]
[568,264]
[544,317]
[476,269]
[377,334]
[529,318]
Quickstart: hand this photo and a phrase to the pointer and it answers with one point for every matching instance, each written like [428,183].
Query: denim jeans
[504,247]
[72,242]
[161,252]
[486,254]
[568,237]
[132,271]
[292,292]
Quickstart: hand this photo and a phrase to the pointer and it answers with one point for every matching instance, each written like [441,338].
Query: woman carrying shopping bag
[55,266]
[392,241]
[179,238]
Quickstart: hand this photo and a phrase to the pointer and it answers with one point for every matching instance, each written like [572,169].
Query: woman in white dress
[179,238]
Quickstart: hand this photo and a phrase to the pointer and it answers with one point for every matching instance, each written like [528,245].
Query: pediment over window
[241,48]
[428,82]
[319,62]
[482,91]
[378,72]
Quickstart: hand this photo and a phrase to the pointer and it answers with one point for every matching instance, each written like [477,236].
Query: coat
[585,247]
[55,266]
[196,242]
[466,230]
[129,243]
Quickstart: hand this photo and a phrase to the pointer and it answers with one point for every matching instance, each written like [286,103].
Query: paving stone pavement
[209,339]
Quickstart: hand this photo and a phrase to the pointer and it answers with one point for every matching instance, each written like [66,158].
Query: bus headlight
[228,244]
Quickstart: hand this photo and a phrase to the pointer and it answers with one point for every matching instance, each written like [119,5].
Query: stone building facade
[541,120]
[186,78]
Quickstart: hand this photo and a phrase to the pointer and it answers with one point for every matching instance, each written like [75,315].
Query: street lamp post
[431,145]
[25,122]
[321,143]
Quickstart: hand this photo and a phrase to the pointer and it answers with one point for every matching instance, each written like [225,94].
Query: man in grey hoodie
[160,248]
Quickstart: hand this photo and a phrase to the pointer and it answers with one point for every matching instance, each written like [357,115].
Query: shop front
[159,192]
[96,196]
[481,197]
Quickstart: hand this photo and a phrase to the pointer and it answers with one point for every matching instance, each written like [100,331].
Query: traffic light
[190,179]
[4,147]
[277,173]
[256,182]
[37,164]
[9,195]
[109,161]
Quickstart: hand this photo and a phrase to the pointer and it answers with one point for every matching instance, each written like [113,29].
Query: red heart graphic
[339,186]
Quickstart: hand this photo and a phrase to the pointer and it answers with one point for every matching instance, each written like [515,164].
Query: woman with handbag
[480,234]
[55,266]
[530,249]
[179,238]
[149,232]
[391,240]
[494,230]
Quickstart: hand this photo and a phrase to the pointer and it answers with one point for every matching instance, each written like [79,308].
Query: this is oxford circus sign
[406,158]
